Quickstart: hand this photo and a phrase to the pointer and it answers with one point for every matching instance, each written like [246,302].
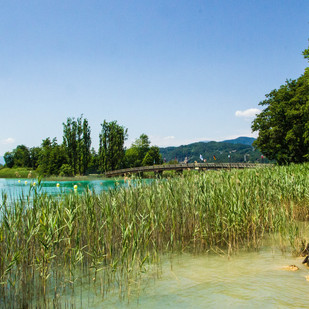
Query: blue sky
[179,71]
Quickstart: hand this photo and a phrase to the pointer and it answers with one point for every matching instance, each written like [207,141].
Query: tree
[283,125]
[34,157]
[52,157]
[93,166]
[9,159]
[77,142]
[142,144]
[136,153]
[132,157]
[85,148]
[22,156]
[70,143]
[152,157]
[111,147]
[44,158]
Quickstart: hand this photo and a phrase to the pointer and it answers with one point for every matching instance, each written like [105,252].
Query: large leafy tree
[22,156]
[142,144]
[51,158]
[9,159]
[135,155]
[153,156]
[283,125]
[111,147]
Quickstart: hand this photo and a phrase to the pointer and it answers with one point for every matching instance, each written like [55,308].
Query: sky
[178,71]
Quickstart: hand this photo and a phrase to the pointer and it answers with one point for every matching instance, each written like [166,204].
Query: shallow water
[247,279]
[254,279]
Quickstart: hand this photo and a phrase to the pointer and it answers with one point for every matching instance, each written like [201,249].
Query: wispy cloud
[8,141]
[248,113]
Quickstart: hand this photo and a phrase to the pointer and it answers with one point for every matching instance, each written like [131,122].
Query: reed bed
[52,247]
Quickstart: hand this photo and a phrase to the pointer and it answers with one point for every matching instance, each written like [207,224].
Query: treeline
[74,156]
[219,152]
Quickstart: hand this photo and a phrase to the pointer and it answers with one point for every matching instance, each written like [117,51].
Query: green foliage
[77,142]
[152,157]
[22,156]
[111,149]
[306,54]
[172,162]
[135,155]
[9,159]
[70,143]
[132,157]
[93,166]
[142,145]
[34,156]
[52,157]
[283,125]
[85,147]
[66,170]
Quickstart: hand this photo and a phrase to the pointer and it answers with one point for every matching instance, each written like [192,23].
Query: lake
[16,187]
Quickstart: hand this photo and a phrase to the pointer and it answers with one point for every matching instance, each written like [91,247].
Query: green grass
[112,237]
[19,172]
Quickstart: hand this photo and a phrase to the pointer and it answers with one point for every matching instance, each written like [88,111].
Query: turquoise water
[18,187]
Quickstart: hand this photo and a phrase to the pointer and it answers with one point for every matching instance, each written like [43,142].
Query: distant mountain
[241,140]
[222,151]
[2,160]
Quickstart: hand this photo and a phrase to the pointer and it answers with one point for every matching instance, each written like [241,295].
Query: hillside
[221,150]
[241,140]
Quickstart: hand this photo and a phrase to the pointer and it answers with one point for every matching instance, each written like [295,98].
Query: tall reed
[50,246]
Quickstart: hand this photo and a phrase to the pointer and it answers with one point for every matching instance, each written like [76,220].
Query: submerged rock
[291,268]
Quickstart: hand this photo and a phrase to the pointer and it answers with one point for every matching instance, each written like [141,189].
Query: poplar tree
[77,142]
[111,148]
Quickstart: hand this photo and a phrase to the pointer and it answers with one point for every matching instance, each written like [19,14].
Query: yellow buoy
[58,185]
[75,187]
[34,184]
[18,180]
[26,182]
